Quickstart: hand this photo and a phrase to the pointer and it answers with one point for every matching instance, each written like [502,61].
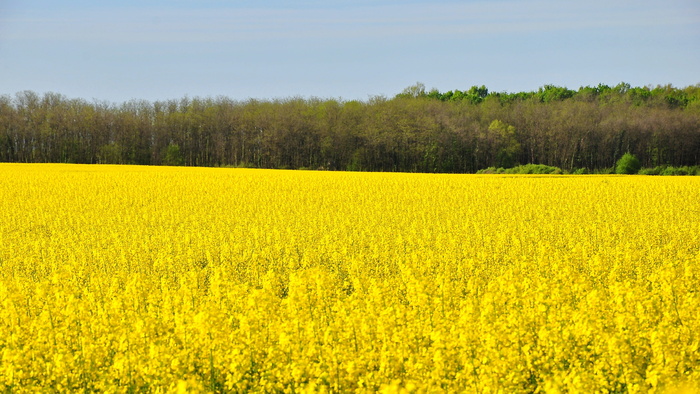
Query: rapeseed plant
[122,279]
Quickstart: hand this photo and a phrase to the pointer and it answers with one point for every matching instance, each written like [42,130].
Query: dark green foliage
[628,164]
[685,170]
[172,156]
[669,170]
[651,171]
[523,169]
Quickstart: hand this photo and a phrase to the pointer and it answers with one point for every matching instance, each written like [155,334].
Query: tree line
[414,131]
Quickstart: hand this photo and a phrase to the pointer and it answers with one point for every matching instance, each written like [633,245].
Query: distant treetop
[664,94]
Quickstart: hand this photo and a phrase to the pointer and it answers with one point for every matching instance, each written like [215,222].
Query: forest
[415,131]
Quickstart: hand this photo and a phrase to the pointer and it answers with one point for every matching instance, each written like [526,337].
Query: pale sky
[157,49]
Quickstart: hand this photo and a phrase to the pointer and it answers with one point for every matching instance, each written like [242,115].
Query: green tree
[413,91]
[549,93]
[111,153]
[506,143]
[628,164]
[172,156]
[415,131]
[476,94]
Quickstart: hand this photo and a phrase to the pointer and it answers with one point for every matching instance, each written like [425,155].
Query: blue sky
[154,50]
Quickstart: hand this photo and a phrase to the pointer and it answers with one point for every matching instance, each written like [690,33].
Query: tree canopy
[416,130]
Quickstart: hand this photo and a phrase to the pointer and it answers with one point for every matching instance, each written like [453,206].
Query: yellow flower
[126,278]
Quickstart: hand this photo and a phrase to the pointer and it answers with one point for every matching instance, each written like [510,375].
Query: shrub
[628,164]
[540,169]
[522,169]
[534,169]
[605,171]
[651,171]
[491,170]
[669,170]
[676,171]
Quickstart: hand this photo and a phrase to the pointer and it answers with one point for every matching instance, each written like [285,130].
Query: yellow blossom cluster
[162,279]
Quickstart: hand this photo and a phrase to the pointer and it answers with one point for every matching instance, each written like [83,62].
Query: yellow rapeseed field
[158,279]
